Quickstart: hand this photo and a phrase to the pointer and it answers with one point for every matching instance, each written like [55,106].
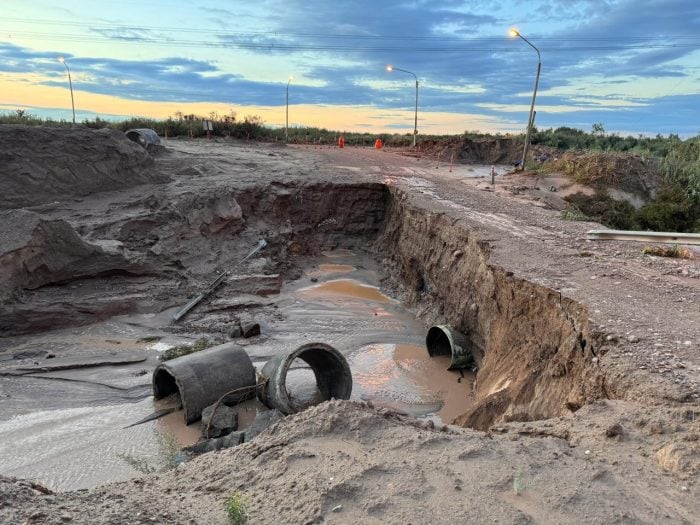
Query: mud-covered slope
[40,165]
[533,346]
[36,251]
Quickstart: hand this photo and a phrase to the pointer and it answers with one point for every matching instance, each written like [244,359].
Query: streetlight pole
[514,32]
[286,125]
[415,122]
[70,84]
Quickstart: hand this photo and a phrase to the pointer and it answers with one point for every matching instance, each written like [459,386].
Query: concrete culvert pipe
[445,340]
[143,136]
[331,370]
[203,377]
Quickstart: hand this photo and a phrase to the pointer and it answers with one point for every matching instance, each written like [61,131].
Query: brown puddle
[345,288]
[405,378]
[330,269]
[338,253]
[173,425]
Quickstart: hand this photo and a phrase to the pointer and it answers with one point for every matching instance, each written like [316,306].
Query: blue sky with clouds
[633,65]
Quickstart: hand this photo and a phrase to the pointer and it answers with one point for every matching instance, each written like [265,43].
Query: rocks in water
[259,424]
[223,422]
[210,445]
[250,329]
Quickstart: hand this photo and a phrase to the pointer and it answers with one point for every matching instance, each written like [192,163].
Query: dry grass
[668,251]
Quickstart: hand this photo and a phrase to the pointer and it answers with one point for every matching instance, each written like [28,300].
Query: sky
[631,65]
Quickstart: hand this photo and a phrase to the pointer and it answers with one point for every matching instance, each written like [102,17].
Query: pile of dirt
[41,165]
[346,462]
[628,177]
[499,150]
[36,250]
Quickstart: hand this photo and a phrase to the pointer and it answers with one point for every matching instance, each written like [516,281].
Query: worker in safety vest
[378,143]
[341,141]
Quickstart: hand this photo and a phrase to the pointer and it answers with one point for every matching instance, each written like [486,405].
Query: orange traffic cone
[341,142]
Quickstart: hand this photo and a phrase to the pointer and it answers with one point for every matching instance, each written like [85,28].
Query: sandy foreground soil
[604,432]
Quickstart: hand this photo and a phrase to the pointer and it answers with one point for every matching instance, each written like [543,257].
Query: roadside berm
[585,403]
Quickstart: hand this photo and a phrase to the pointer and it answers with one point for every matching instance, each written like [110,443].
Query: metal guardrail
[660,237]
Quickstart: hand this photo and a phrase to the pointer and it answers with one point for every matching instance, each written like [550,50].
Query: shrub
[602,208]
[672,211]
[236,509]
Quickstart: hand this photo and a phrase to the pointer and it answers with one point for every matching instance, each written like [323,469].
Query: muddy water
[82,447]
[383,343]
[405,378]
[67,428]
[342,289]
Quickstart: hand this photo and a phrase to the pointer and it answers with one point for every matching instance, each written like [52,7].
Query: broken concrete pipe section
[331,370]
[202,378]
[445,340]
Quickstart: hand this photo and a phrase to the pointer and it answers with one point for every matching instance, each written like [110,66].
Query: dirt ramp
[35,251]
[41,165]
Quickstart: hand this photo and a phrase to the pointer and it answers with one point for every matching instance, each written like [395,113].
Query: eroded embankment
[534,347]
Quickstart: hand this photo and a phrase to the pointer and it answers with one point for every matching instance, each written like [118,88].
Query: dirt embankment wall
[534,347]
[41,165]
[475,151]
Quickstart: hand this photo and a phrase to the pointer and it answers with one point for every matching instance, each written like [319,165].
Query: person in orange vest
[378,143]
[341,141]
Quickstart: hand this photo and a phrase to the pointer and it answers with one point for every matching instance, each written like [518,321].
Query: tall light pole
[415,123]
[70,84]
[514,32]
[286,125]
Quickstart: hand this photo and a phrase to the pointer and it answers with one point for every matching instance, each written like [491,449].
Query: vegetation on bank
[676,207]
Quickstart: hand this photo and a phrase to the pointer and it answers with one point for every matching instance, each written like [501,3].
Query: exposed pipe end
[331,370]
[445,340]
[201,378]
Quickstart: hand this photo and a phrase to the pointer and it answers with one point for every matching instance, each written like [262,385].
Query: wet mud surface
[62,413]
[587,387]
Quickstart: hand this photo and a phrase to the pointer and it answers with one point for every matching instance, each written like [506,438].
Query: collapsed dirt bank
[42,165]
[559,324]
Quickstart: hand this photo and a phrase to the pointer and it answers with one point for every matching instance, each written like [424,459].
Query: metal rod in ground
[214,284]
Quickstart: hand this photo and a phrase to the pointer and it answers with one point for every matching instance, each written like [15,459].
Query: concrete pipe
[203,377]
[332,372]
[143,136]
[445,340]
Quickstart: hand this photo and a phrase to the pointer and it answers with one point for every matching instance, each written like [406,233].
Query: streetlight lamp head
[513,32]
[61,60]
[389,67]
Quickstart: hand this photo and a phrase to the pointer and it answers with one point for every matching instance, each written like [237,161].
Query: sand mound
[41,165]
[346,462]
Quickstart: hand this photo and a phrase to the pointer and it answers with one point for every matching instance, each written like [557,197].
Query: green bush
[672,210]
[619,215]
[236,509]
[682,167]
